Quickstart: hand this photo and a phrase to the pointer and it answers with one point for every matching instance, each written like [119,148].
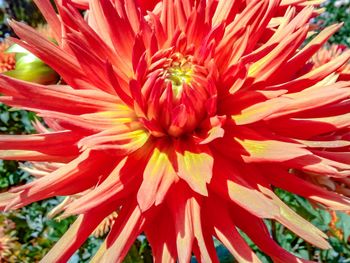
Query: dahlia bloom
[182,120]
[7,61]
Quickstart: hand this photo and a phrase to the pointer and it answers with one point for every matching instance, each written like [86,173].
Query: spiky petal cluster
[182,119]
[329,52]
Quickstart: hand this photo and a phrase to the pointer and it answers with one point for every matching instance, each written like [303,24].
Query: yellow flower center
[180,72]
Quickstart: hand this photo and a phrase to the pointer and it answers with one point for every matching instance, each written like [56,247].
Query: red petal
[258,232]
[180,206]
[296,185]
[50,15]
[161,235]
[225,230]
[122,181]
[125,230]
[66,180]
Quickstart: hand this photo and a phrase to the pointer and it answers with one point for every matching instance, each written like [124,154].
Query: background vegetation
[30,234]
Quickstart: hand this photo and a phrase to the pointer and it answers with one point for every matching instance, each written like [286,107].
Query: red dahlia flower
[181,120]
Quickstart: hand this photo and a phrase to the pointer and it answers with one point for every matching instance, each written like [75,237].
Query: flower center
[179,73]
[180,95]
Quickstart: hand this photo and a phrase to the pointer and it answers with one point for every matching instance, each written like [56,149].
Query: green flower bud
[30,68]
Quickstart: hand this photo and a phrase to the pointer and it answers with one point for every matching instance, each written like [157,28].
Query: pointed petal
[50,15]
[296,185]
[32,156]
[181,210]
[228,184]
[296,223]
[261,149]
[61,61]
[127,226]
[122,138]
[39,142]
[123,180]
[158,177]
[195,165]
[316,96]
[266,67]
[225,230]
[202,233]
[310,49]
[256,229]
[66,180]
[259,111]
[57,97]
[222,12]
[160,233]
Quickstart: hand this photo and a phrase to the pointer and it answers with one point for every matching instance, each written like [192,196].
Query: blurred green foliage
[13,122]
[337,11]
[20,10]
[34,234]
